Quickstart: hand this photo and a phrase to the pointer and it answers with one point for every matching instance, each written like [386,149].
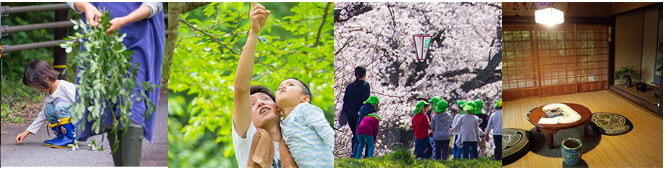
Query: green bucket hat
[375,115]
[435,99]
[469,106]
[419,106]
[373,100]
[499,103]
[461,104]
[479,107]
[441,106]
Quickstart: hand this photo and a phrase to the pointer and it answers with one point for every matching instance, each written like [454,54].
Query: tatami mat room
[575,63]
[641,147]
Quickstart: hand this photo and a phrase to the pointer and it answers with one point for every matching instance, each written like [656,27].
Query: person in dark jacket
[354,96]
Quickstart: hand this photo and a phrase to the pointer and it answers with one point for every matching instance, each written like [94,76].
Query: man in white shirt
[253,107]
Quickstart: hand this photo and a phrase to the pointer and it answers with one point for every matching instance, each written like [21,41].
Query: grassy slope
[404,159]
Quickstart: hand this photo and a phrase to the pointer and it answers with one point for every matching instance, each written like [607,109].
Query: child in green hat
[478,107]
[469,132]
[367,134]
[420,125]
[441,121]
[432,102]
[371,105]
[495,124]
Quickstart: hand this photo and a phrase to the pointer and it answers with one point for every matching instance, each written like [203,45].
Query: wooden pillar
[59,54]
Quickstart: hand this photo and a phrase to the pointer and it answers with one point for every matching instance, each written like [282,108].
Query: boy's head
[469,107]
[40,75]
[499,104]
[441,106]
[420,107]
[434,100]
[292,91]
[374,101]
[264,108]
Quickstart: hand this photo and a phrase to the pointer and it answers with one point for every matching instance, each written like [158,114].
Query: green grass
[15,96]
[6,111]
[13,91]
[402,158]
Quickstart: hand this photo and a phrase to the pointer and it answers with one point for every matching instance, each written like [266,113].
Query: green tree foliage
[297,41]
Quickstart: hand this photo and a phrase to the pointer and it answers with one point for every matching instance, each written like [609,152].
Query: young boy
[495,124]
[304,127]
[441,122]
[60,94]
[478,111]
[469,134]
[420,125]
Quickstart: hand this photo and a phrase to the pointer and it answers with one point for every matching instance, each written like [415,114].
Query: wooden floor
[641,147]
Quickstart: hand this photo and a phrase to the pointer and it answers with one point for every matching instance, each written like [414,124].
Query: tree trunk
[175,9]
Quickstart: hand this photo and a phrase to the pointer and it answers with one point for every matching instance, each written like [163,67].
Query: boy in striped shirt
[306,132]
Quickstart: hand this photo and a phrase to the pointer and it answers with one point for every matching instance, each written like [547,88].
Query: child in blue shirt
[304,128]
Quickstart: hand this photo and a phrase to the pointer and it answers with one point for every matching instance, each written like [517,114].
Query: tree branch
[211,36]
[485,76]
[188,6]
[323,22]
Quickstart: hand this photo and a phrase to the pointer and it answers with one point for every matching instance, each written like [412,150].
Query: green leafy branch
[107,78]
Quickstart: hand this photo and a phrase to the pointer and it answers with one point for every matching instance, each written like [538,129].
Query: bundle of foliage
[107,77]
[297,41]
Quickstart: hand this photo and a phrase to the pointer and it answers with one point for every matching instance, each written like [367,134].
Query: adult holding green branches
[255,113]
[143,24]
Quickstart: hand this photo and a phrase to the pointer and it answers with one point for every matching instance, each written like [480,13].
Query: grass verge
[402,158]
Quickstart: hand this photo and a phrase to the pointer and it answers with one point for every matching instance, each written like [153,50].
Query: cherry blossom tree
[463,61]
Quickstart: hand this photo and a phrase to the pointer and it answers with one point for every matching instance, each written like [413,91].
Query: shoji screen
[540,61]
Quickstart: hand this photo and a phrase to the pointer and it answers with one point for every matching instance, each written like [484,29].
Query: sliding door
[542,61]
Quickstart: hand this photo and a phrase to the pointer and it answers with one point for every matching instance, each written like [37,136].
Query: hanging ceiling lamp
[549,16]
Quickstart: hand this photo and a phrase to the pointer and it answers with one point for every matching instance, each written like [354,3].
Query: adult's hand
[258,17]
[136,15]
[20,137]
[92,14]
[116,24]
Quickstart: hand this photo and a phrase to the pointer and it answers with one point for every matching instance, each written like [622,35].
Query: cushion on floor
[610,123]
[515,144]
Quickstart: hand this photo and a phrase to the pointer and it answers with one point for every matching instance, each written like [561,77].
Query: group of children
[470,129]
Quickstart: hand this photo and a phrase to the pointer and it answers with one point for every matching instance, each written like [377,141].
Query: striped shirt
[65,91]
[309,137]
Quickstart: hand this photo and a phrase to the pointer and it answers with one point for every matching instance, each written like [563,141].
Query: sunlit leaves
[204,70]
